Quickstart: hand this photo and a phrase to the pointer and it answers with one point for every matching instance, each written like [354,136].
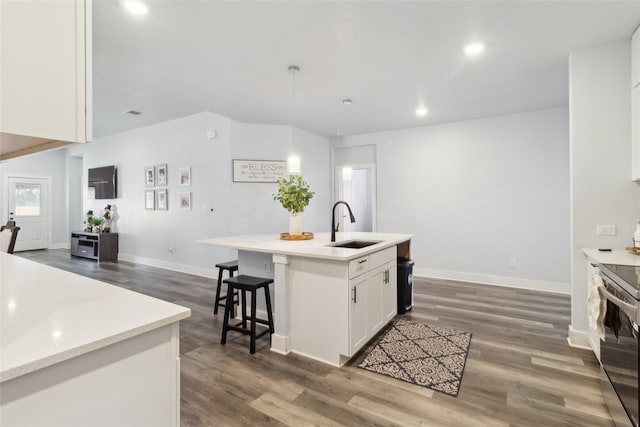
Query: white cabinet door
[635,133]
[390,293]
[376,291]
[45,62]
[358,329]
[635,59]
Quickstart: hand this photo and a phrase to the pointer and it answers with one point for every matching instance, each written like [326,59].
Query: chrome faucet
[334,227]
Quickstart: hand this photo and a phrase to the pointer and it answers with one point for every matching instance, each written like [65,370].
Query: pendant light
[347,171]
[293,161]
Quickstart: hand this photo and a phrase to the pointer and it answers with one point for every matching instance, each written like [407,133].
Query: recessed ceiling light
[474,48]
[135,6]
[421,112]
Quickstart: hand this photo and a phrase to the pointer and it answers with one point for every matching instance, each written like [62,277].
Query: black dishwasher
[405,285]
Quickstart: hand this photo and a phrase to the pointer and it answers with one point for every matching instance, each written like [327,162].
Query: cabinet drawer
[358,266]
[382,257]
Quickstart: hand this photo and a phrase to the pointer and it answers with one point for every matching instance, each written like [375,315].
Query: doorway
[356,185]
[28,204]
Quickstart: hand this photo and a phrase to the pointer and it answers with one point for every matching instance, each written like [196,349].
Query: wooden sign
[259,170]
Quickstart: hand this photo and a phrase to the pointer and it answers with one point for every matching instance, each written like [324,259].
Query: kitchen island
[328,301]
[75,351]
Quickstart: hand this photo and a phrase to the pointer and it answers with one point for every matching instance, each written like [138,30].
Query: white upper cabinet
[635,105]
[45,61]
[635,58]
[635,133]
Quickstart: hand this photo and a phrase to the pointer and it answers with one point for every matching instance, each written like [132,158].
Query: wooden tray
[634,250]
[304,236]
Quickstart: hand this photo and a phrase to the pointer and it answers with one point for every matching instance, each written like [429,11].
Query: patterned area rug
[429,356]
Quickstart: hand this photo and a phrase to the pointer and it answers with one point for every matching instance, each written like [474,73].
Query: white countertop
[314,248]
[49,315]
[616,256]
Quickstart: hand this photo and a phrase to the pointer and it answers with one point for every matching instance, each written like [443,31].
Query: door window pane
[27,198]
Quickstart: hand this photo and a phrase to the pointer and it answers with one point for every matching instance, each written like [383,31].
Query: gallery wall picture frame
[149,176]
[185,175]
[150,200]
[162,200]
[161,175]
[185,200]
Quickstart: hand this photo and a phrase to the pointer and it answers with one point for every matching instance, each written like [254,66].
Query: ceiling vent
[132,112]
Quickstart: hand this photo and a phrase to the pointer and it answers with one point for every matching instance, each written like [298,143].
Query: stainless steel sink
[355,244]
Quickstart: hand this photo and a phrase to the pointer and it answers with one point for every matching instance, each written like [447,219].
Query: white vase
[96,228]
[295,224]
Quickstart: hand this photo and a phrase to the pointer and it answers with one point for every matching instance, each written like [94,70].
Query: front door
[29,207]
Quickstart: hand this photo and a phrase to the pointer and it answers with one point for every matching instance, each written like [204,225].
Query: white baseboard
[59,245]
[511,282]
[173,266]
[578,339]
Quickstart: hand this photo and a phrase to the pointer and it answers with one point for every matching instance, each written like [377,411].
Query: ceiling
[231,58]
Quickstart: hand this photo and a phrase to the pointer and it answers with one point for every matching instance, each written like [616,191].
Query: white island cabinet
[78,352]
[328,301]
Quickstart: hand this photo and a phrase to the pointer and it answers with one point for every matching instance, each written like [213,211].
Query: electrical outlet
[606,230]
[267,267]
[512,263]
[170,250]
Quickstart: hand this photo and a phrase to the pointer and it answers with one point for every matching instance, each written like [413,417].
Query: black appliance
[405,285]
[619,351]
[104,181]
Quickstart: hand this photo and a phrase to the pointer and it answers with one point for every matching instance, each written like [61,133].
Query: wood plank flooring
[520,370]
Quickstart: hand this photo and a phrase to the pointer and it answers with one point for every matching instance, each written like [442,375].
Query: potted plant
[294,195]
[96,223]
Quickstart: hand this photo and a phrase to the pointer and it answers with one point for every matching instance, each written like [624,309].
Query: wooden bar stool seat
[244,284]
[230,267]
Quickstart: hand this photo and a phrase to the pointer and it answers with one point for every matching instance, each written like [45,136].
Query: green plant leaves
[294,193]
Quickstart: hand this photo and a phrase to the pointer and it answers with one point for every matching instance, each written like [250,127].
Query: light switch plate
[606,230]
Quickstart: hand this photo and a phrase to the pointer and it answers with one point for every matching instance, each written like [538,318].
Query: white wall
[479,193]
[601,188]
[256,211]
[238,208]
[49,163]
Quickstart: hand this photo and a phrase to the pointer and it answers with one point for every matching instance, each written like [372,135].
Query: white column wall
[602,192]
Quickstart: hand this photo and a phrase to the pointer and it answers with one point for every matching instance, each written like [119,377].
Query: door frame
[337,191]
[5,199]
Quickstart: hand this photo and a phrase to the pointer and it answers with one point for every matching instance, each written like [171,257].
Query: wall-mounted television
[104,182]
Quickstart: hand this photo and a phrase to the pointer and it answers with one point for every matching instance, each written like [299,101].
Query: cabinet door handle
[355,295]
[362,261]
[386,276]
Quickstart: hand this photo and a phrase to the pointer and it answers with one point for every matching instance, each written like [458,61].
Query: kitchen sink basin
[355,244]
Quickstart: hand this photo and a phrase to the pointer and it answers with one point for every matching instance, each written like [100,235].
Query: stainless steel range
[619,351]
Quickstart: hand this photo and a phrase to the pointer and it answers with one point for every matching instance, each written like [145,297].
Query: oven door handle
[629,309]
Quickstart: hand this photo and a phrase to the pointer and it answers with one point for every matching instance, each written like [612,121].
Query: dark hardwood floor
[520,370]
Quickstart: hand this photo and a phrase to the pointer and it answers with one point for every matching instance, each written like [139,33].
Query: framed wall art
[150,199]
[149,176]
[185,176]
[259,170]
[185,200]
[162,201]
[161,175]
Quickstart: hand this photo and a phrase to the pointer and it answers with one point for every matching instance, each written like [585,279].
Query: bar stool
[246,283]
[229,266]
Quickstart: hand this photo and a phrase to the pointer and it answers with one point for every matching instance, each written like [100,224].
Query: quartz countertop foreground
[616,256]
[318,247]
[48,315]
